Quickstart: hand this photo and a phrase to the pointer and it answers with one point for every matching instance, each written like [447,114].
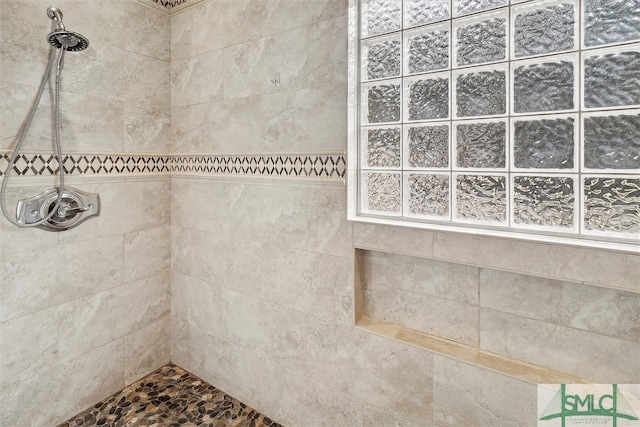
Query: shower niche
[532,328]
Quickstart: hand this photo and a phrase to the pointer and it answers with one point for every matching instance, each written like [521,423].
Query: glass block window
[517,118]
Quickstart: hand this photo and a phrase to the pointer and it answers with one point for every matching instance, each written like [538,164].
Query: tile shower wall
[86,311]
[262,270]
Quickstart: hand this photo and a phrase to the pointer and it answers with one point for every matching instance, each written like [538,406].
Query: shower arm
[55,15]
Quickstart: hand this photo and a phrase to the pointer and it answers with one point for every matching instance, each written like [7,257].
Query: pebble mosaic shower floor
[170,397]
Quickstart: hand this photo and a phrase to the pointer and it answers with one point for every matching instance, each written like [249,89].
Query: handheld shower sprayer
[58,208]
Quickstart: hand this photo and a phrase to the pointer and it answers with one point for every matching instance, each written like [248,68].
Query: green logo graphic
[565,405]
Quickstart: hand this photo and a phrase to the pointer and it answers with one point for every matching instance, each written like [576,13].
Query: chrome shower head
[70,41]
[60,38]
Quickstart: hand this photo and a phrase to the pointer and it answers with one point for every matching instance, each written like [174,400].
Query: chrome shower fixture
[60,38]
[75,207]
[58,208]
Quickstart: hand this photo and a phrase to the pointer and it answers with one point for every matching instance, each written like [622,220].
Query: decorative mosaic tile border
[169,3]
[314,165]
[292,165]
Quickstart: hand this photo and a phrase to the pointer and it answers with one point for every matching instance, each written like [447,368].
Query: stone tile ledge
[474,356]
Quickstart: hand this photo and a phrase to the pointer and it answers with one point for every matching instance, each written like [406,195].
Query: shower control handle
[75,207]
[67,211]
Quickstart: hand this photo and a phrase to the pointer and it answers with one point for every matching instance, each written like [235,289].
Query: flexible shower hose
[23,135]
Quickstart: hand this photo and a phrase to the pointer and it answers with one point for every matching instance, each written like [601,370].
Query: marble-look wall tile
[604,311]
[146,350]
[455,282]
[147,128]
[95,320]
[15,101]
[214,127]
[197,80]
[312,219]
[447,319]
[592,266]
[327,45]
[15,239]
[280,15]
[374,417]
[64,390]
[247,324]
[204,355]
[147,31]
[179,344]
[60,275]
[294,399]
[398,240]
[466,395]
[387,374]
[125,206]
[201,255]
[304,120]
[250,68]
[197,303]
[86,121]
[236,21]
[302,401]
[307,281]
[594,357]
[23,43]
[147,253]
[89,123]
[27,351]
[103,70]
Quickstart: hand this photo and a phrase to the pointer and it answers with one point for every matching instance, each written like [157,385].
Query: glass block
[427,49]
[544,201]
[382,192]
[481,40]
[544,87]
[538,30]
[481,145]
[463,7]
[482,93]
[481,197]
[612,141]
[381,57]
[544,143]
[612,204]
[382,147]
[382,102]
[611,79]
[428,146]
[611,21]
[428,195]
[419,12]
[428,99]
[381,16]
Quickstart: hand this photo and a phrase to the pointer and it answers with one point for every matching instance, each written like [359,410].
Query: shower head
[68,40]
[60,38]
